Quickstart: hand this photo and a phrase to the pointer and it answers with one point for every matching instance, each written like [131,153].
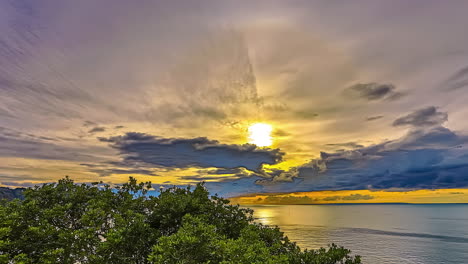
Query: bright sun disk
[260,134]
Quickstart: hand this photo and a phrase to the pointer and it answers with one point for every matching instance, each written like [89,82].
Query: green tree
[66,223]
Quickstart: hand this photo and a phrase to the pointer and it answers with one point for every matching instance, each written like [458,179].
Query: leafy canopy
[69,223]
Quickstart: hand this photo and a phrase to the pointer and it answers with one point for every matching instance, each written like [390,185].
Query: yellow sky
[358,196]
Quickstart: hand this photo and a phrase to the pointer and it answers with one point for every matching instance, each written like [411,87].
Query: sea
[380,233]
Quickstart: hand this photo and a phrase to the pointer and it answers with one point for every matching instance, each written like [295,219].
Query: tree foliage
[69,223]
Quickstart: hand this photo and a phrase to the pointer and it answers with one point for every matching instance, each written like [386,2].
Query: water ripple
[419,235]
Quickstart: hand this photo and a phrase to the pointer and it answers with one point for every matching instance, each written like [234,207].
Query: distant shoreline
[359,204]
[423,196]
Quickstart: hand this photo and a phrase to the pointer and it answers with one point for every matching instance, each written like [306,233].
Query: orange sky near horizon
[357,196]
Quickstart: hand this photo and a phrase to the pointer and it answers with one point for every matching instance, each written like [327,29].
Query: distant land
[356,197]
[328,197]
[10,194]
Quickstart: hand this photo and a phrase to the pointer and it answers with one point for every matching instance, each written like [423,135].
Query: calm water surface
[390,233]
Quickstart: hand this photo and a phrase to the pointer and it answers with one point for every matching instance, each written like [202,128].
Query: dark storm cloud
[196,152]
[428,116]
[374,91]
[458,80]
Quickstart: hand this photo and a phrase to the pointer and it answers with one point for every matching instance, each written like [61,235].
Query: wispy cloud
[96,129]
[373,118]
[428,116]
[374,91]
[458,80]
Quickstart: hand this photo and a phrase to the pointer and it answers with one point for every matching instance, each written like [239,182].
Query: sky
[359,95]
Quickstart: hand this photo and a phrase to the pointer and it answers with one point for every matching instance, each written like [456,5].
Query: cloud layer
[428,156]
[197,152]
[166,91]
[432,158]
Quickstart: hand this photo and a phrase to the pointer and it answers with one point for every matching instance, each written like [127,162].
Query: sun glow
[260,134]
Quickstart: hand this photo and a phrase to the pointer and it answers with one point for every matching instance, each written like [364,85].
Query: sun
[260,134]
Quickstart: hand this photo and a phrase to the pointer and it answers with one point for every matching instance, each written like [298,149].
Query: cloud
[332,198]
[357,196]
[306,114]
[104,170]
[346,145]
[277,132]
[291,199]
[351,197]
[458,80]
[434,158]
[272,176]
[428,116]
[88,123]
[18,144]
[373,118]
[220,175]
[204,178]
[96,129]
[239,171]
[288,200]
[196,152]
[429,158]
[374,91]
